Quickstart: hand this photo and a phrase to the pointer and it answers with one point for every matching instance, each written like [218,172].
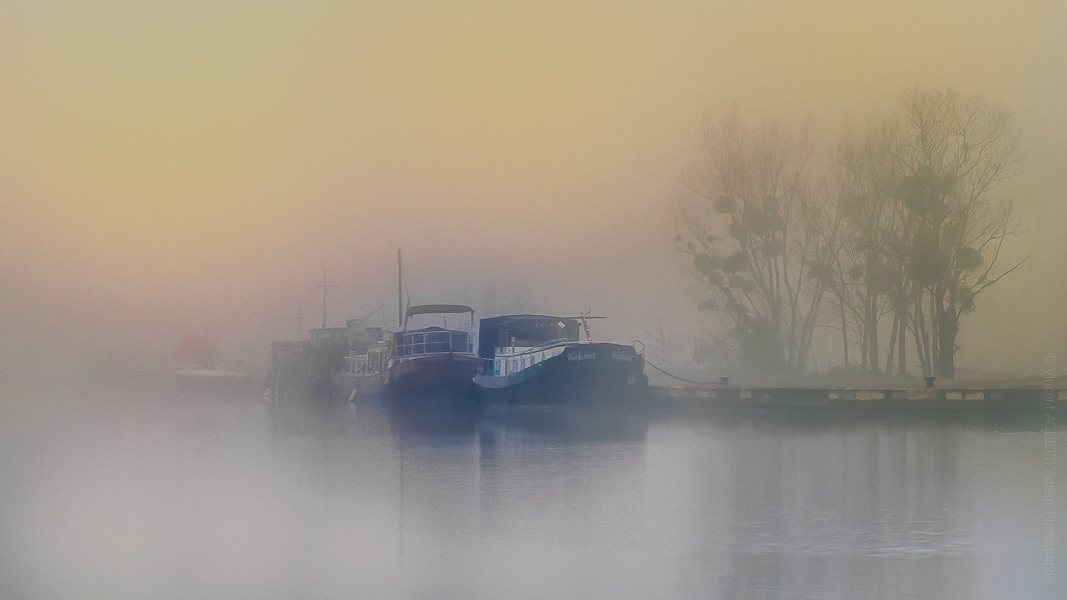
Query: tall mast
[399,291]
[324,288]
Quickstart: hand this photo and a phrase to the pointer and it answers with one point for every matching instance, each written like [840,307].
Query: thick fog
[173,168]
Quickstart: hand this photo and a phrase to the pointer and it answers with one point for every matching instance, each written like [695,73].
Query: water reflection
[145,494]
[849,510]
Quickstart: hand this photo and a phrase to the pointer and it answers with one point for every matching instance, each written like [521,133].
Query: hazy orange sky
[180,166]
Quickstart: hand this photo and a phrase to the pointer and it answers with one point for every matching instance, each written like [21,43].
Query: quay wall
[915,398]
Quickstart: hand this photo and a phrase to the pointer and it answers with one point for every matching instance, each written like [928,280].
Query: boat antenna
[324,288]
[585,324]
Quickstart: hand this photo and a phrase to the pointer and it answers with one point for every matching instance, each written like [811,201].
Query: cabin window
[538,333]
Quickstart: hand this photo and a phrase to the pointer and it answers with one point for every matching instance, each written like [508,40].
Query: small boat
[433,361]
[210,380]
[196,367]
[541,360]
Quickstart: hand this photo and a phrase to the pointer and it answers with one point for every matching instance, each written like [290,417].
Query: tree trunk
[922,339]
[808,329]
[946,331]
[863,349]
[872,326]
[902,334]
[844,329]
[892,345]
[935,349]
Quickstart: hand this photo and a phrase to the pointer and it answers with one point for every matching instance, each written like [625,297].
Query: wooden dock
[912,398]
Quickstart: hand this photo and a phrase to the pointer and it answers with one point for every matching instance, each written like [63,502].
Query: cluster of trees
[889,237]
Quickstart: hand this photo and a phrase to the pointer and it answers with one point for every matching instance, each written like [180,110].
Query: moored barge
[542,360]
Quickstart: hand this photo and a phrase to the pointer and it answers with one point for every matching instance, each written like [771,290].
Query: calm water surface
[144,494]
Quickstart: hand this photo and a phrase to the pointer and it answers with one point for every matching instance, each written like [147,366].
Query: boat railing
[357,364]
[434,342]
[369,363]
[512,362]
[517,350]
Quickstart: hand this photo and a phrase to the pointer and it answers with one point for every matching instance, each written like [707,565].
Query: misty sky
[170,167]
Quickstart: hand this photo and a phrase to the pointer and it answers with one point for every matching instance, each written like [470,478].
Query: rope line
[680,378]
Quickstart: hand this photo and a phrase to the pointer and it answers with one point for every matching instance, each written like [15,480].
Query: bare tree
[925,228]
[954,154]
[915,230]
[872,280]
[759,239]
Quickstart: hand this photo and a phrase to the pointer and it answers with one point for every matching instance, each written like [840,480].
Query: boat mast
[399,291]
[324,288]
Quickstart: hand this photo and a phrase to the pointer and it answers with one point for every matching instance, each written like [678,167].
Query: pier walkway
[917,398]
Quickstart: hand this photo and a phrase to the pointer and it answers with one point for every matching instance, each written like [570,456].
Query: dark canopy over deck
[437,309]
[423,309]
[524,331]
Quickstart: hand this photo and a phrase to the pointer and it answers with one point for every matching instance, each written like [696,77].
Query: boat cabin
[327,337]
[434,339]
[510,343]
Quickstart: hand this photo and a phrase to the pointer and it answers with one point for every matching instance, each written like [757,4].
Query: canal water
[134,493]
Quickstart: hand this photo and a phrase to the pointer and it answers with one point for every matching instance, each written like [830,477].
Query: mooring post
[724,381]
[930,381]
